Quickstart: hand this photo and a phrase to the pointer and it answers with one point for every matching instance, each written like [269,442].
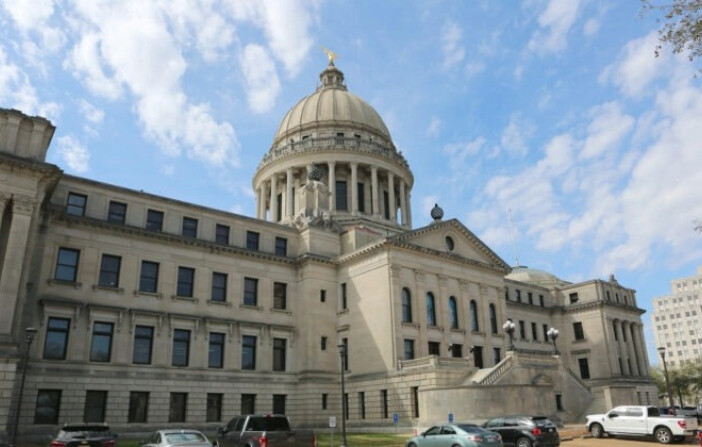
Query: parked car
[84,435]
[641,421]
[175,437]
[525,431]
[463,435]
[267,430]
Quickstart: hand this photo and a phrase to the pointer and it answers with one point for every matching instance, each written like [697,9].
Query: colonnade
[629,346]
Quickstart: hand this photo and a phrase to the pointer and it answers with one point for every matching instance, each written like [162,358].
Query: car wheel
[523,442]
[663,435]
[596,430]
[411,444]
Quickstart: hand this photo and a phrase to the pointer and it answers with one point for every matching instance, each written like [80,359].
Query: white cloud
[591,27]
[515,135]
[261,78]
[90,112]
[637,66]
[17,92]
[74,154]
[608,127]
[451,47]
[555,23]
[459,152]
[434,126]
[34,17]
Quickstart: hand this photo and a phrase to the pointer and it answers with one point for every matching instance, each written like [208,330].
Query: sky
[548,127]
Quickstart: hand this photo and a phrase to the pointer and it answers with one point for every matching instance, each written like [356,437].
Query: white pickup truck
[639,420]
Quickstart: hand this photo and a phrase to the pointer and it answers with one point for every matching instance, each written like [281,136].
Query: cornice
[579,307]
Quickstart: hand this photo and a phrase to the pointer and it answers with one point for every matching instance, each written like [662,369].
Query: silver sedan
[177,438]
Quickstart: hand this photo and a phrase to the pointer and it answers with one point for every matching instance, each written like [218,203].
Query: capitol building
[151,312]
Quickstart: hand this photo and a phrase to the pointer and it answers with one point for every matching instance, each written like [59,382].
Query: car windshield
[85,432]
[541,421]
[177,438]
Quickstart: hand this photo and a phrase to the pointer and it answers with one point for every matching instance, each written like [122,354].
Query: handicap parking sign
[395,418]
[450,418]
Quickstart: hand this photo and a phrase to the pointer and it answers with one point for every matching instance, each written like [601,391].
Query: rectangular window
[345,357]
[219,287]
[67,265]
[248,403]
[109,271]
[323,296]
[101,345]
[281,246]
[362,404]
[252,240]
[573,297]
[415,401]
[340,138]
[279,206]
[384,403]
[346,404]
[578,331]
[75,205]
[143,342]
[117,212]
[534,332]
[530,297]
[47,407]
[56,338]
[519,295]
[181,347]
[544,328]
[341,200]
[95,404]
[456,350]
[280,295]
[541,301]
[177,408]
[186,280]
[477,356]
[154,220]
[360,188]
[386,205]
[138,406]
[189,227]
[222,234]
[279,404]
[584,368]
[496,356]
[279,351]
[559,402]
[344,302]
[434,348]
[409,349]
[148,280]
[325,398]
[248,352]
[215,358]
[214,407]
[522,330]
[250,291]
[324,343]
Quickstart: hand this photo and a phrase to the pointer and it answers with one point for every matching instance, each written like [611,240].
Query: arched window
[453,312]
[406,306]
[474,326]
[431,310]
[493,319]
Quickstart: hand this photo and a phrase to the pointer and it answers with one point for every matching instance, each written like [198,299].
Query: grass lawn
[363,439]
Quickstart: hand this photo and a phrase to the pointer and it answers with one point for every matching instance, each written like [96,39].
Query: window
[189,227]
[248,403]
[101,345]
[474,322]
[75,204]
[109,271]
[431,311]
[280,293]
[522,330]
[181,347]
[214,407]
[279,206]
[279,350]
[544,327]
[177,408]
[384,403]
[453,312]
[346,404]
[279,404]
[341,199]
[222,234]
[534,332]
[584,368]
[95,403]
[323,296]
[493,319]
[448,240]
[154,220]
[281,246]
[219,287]
[530,297]
[434,348]
[409,349]
[56,338]
[248,352]
[477,356]
[186,278]
[143,341]
[148,280]
[345,358]
[519,295]
[323,342]
[339,138]
[406,306]
[250,291]
[456,350]
[541,301]
[344,299]
[415,401]
[578,331]
[325,398]
[573,297]
[559,402]
[117,212]
[362,404]
[138,406]
[496,356]
[361,194]
[386,205]
[252,240]
[47,408]
[67,265]
[215,359]
[506,294]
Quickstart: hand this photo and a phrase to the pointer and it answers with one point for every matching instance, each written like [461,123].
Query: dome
[331,106]
[525,274]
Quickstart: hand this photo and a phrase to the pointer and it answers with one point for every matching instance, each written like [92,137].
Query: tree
[681,26]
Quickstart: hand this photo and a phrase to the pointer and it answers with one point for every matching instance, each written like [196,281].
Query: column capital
[23,205]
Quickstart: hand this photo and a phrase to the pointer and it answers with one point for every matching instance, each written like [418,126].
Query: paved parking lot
[617,442]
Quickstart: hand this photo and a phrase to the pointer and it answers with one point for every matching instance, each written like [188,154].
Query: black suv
[84,435]
[525,431]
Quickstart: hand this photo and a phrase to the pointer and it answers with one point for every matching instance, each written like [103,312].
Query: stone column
[641,345]
[421,347]
[354,188]
[391,197]
[403,203]
[635,348]
[332,186]
[274,198]
[374,191]
[614,355]
[396,313]
[409,210]
[289,193]
[260,213]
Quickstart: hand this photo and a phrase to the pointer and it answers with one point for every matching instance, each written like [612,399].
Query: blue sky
[553,115]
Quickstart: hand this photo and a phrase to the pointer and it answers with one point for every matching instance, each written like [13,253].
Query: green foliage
[681,25]
[685,382]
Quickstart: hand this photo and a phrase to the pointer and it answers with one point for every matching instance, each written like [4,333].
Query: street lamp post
[552,334]
[29,334]
[661,351]
[510,327]
[342,354]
